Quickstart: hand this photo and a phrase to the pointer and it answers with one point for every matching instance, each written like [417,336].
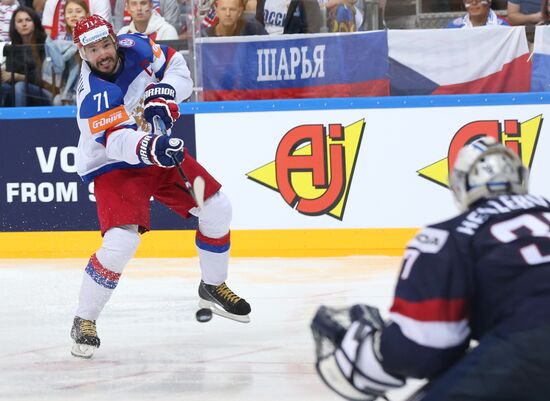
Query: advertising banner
[305,177]
[393,62]
[294,66]
[39,187]
[358,168]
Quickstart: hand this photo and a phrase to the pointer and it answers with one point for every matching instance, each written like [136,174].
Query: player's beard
[108,75]
[107,65]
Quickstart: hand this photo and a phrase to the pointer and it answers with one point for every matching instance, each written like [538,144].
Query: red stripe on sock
[214,241]
[102,271]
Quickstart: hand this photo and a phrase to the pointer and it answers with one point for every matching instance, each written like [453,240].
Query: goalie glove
[159,100]
[348,357]
[159,150]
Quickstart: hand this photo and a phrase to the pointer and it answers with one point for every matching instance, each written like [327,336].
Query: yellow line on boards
[244,243]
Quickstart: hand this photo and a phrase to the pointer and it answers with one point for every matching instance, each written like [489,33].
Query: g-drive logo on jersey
[94,35]
[312,170]
[520,137]
[108,119]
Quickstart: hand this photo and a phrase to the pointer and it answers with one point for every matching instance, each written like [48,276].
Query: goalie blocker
[346,339]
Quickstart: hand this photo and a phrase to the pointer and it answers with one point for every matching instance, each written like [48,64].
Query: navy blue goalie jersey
[487,270]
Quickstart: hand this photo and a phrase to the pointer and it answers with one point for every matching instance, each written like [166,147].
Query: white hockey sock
[213,239]
[104,269]
[213,257]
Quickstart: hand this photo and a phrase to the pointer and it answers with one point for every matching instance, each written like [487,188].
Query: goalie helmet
[484,169]
[91,29]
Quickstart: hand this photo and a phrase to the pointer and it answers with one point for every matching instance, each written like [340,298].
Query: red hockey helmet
[90,30]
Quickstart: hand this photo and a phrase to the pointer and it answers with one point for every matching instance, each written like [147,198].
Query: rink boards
[306,177]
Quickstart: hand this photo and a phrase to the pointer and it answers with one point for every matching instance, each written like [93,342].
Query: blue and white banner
[39,187]
[363,64]
[294,66]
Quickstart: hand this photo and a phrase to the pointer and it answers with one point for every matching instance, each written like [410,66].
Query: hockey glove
[160,101]
[159,150]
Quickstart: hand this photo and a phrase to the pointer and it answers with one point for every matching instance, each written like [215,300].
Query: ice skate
[85,338]
[223,302]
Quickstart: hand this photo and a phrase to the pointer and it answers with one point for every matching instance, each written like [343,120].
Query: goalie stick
[196,190]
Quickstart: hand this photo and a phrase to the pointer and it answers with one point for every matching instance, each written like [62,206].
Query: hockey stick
[196,190]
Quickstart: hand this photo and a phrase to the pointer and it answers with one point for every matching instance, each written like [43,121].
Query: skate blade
[217,310]
[82,351]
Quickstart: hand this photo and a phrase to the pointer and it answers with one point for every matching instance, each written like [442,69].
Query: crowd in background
[40,63]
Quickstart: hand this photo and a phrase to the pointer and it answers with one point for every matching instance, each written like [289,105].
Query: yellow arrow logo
[312,170]
[520,137]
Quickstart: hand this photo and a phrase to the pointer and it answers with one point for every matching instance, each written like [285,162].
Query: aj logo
[312,170]
[520,137]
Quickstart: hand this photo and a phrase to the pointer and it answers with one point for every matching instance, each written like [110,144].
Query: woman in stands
[65,61]
[22,76]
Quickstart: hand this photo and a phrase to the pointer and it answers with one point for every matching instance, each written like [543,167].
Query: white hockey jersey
[109,112]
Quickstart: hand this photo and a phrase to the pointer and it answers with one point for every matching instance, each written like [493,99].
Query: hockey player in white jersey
[126,83]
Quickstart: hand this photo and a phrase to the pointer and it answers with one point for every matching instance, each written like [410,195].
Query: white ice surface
[151,346]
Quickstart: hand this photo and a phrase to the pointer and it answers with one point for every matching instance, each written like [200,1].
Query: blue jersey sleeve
[103,96]
[430,311]
[103,110]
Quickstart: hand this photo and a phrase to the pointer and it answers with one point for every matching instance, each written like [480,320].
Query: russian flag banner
[540,80]
[459,61]
[294,66]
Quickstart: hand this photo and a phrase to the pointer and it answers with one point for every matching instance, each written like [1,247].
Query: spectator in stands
[342,15]
[168,9]
[524,12]
[299,16]
[302,16]
[63,53]
[75,10]
[7,8]
[207,11]
[232,22]
[147,21]
[53,16]
[478,13]
[21,78]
